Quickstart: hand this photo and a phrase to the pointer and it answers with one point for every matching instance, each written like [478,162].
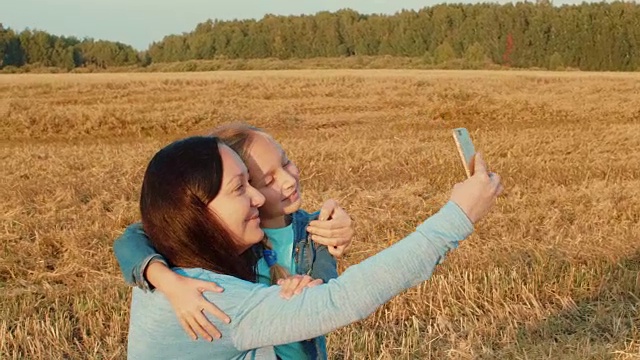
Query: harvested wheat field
[552,273]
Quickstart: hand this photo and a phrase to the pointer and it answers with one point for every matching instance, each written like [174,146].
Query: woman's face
[275,176]
[237,203]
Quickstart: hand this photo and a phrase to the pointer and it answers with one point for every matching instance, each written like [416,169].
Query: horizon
[135,18]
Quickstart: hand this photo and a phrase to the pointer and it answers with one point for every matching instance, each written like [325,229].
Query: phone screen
[465,148]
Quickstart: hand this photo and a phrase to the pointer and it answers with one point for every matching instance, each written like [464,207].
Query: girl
[201,212]
[290,249]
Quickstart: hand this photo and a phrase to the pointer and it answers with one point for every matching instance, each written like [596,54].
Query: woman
[303,243]
[201,213]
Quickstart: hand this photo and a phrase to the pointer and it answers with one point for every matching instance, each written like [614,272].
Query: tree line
[589,36]
[40,48]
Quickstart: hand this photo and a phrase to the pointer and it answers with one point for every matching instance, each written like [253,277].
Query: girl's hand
[333,228]
[187,299]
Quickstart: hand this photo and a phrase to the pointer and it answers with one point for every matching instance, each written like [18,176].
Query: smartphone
[465,149]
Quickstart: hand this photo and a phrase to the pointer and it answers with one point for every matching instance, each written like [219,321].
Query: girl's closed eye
[240,188]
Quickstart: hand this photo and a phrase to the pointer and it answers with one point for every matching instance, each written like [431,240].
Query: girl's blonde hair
[239,136]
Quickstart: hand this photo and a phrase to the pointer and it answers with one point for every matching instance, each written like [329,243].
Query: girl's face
[276,178]
[237,203]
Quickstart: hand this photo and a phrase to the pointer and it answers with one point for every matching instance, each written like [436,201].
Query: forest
[589,36]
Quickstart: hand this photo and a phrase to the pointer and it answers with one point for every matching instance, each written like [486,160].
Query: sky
[141,22]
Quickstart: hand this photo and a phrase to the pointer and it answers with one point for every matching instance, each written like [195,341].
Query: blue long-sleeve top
[262,319]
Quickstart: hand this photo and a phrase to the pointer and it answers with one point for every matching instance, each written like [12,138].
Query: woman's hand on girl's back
[293,285]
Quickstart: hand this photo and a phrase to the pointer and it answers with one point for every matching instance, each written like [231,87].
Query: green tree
[475,54]
[444,53]
[556,62]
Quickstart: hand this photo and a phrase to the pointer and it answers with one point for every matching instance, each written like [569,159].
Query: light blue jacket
[261,319]
[134,252]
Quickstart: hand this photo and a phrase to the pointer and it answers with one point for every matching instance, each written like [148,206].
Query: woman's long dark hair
[179,183]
